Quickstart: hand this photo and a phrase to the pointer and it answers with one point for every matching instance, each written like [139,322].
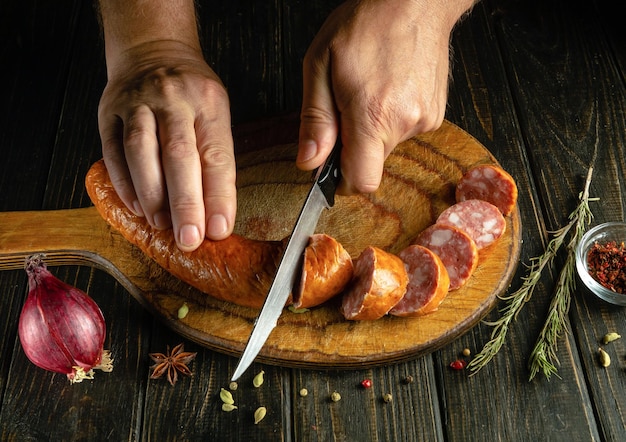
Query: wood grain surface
[418,183]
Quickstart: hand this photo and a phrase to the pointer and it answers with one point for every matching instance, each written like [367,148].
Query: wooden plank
[569,120]
[486,109]
[241,42]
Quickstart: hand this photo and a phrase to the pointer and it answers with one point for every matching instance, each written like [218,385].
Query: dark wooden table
[539,83]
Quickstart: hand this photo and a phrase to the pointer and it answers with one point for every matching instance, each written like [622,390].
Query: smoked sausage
[489,183]
[326,271]
[481,220]
[428,282]
[379,282]
[236,269]
[455,248]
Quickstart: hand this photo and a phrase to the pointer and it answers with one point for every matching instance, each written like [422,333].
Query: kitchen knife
[321,196]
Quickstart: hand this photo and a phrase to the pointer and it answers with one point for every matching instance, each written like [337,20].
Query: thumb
[319,126]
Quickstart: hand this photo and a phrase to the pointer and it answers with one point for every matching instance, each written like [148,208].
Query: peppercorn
[459,364]
[366,383]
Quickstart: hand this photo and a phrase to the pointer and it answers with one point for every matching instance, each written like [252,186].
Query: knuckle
[314,115]
[136,136]
[219,157]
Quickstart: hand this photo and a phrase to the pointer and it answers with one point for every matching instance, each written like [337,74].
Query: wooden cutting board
[419,181]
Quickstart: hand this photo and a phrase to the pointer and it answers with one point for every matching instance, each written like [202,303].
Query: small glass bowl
[603,233]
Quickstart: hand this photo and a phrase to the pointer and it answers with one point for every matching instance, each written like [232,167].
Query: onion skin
[61,328]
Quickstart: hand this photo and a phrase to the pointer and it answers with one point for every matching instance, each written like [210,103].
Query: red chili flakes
[607,265]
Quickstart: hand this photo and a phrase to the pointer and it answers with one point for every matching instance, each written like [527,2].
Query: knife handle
[329,174]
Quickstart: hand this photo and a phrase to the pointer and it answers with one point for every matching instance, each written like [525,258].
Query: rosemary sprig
[515,301]
[544,355]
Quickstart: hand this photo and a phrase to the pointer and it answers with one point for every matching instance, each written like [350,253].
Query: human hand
[378,72]
[164,120]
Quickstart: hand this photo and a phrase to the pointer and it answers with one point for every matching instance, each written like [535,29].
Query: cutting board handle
[66,237]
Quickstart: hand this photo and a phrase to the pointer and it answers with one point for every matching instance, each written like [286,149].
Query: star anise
[171,363]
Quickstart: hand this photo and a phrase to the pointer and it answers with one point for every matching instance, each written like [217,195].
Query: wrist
[151,55]
[134,27]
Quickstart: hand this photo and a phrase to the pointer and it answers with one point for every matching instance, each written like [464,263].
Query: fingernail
[137,208]
[306,150]
[189,235]
[217,226]
[162,220]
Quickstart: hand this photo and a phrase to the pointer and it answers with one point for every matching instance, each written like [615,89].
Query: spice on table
[226,397]
[172,363]
[259,414]
[304,392]
[387,398]
[610,337]
[458,364]
[228,407]
[466,352]
[335,397]
[258,379]
[607,265]
[604,358]
[233,386]
[408,379]
[366,383]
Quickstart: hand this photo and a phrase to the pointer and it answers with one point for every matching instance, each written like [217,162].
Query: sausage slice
[488,183]
[326,271]
[379,282]
[481,220]
[428,282]
[456,250]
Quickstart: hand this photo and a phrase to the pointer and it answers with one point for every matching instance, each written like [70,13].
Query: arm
[379,71]
[164,121]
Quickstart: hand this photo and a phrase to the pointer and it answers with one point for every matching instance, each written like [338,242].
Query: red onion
[61,328]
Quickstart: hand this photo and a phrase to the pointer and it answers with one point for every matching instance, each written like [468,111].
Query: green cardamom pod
[226,397]
[258,379]
[183,310]
[610,337]
[605,359]
[259,414]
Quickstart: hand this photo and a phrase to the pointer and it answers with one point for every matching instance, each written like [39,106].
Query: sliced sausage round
[481,220]
[379,282]
[326,271]
[428,282]
[455,248]
[488,183]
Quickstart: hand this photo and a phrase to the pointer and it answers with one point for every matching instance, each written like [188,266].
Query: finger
[216,149]
[318,117]
[111,131]
[141,148]
[362,158]
[182,170]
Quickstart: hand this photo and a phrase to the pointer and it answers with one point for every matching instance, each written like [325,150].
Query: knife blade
[320,197]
